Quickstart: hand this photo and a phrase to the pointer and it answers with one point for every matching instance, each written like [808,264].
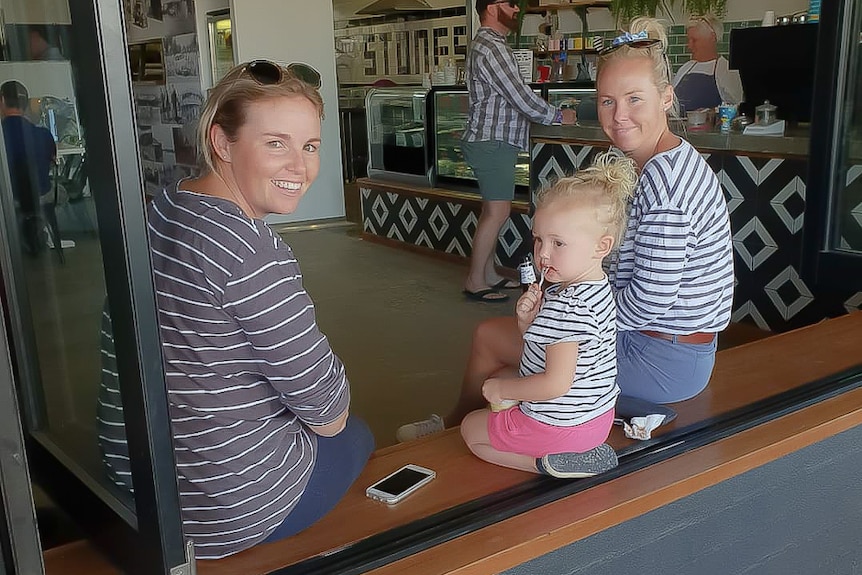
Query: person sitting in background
[706,80]
[30,152]
[565,387]
[259,402]
[40,47]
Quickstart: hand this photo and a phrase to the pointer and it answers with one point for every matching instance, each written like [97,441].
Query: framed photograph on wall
[154,62]
[147,62]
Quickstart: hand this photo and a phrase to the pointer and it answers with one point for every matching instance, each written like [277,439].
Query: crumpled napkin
[642,427]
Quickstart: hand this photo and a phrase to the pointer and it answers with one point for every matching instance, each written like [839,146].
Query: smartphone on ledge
[398,485]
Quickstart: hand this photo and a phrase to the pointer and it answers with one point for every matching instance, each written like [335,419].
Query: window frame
[149,539]
[20,551]
[154,545]
[823,267]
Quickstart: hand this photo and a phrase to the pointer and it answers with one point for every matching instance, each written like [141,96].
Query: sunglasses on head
[638,40]
[267,73]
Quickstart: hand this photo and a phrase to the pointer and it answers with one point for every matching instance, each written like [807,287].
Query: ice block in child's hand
[504,404]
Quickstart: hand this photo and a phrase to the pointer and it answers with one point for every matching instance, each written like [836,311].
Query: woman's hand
[569,116]
[528,306]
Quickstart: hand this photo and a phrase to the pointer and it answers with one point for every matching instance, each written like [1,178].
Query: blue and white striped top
[501,104]
[674,269]
[245,365]
[584,313]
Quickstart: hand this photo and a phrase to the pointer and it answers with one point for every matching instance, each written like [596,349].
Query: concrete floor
[397,320]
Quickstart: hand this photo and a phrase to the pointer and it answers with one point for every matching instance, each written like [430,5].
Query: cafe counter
[793,144]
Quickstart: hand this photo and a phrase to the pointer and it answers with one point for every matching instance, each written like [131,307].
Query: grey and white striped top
[246,369]
[674,270]
[501,104]
[584,313]
[109,414]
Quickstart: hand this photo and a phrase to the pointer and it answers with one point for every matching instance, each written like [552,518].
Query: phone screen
[401,481]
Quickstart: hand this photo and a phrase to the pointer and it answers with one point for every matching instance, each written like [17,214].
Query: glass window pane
[58,267]
[848,232]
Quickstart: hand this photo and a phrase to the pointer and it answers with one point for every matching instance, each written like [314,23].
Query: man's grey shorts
[493,164]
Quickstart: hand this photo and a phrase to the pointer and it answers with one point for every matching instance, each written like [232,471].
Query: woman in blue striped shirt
[673,274]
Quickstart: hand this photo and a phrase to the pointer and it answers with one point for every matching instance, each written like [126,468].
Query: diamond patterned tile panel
[438,224]
[851,209]
[766,202]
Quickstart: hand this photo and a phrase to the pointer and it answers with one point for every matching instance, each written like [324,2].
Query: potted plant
[624,10]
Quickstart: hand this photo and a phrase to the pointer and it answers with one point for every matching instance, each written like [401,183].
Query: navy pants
[340,460]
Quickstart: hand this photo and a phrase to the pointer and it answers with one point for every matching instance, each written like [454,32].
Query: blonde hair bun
[607,185]
[653,27]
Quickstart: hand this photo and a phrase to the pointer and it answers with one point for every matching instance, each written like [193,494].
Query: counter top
[793,143]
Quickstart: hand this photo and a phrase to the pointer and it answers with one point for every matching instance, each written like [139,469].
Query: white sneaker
[418,429]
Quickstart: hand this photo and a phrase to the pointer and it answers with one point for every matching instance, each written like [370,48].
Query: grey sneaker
[574,465]
[415,430]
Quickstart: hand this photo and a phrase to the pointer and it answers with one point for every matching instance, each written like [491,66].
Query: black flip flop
[482,294]
[506,283]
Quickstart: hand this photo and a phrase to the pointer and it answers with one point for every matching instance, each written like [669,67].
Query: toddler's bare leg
[474,430]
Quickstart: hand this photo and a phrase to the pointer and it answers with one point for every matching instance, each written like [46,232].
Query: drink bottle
[527,273]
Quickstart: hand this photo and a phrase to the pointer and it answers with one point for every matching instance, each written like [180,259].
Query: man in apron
[706,81]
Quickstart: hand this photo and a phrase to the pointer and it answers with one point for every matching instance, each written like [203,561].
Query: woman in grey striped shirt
[258,400]
[673,274]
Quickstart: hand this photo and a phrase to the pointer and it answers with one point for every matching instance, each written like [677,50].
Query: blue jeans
[340,460]
[662,371]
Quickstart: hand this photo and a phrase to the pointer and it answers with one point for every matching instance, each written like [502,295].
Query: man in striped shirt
[501,109]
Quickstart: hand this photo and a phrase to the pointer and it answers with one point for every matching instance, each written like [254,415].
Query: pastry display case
[448,111]
[397,142]
[449,118]
[578,96]
[414,135]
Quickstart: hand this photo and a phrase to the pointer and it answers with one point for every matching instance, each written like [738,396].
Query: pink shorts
[513,431]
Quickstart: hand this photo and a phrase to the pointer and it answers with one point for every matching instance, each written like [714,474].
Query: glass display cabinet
[449,118]
[576,96]
[448,121]
[397,149]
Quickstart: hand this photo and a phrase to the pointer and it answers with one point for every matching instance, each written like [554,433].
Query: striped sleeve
[674,269]
[502,73]
[660,254]
[267,298]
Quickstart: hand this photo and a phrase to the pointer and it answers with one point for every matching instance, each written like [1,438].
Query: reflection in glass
[221,45]
[848,236]
[58,268]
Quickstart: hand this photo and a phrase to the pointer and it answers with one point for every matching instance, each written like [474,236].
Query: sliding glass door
[83,335]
